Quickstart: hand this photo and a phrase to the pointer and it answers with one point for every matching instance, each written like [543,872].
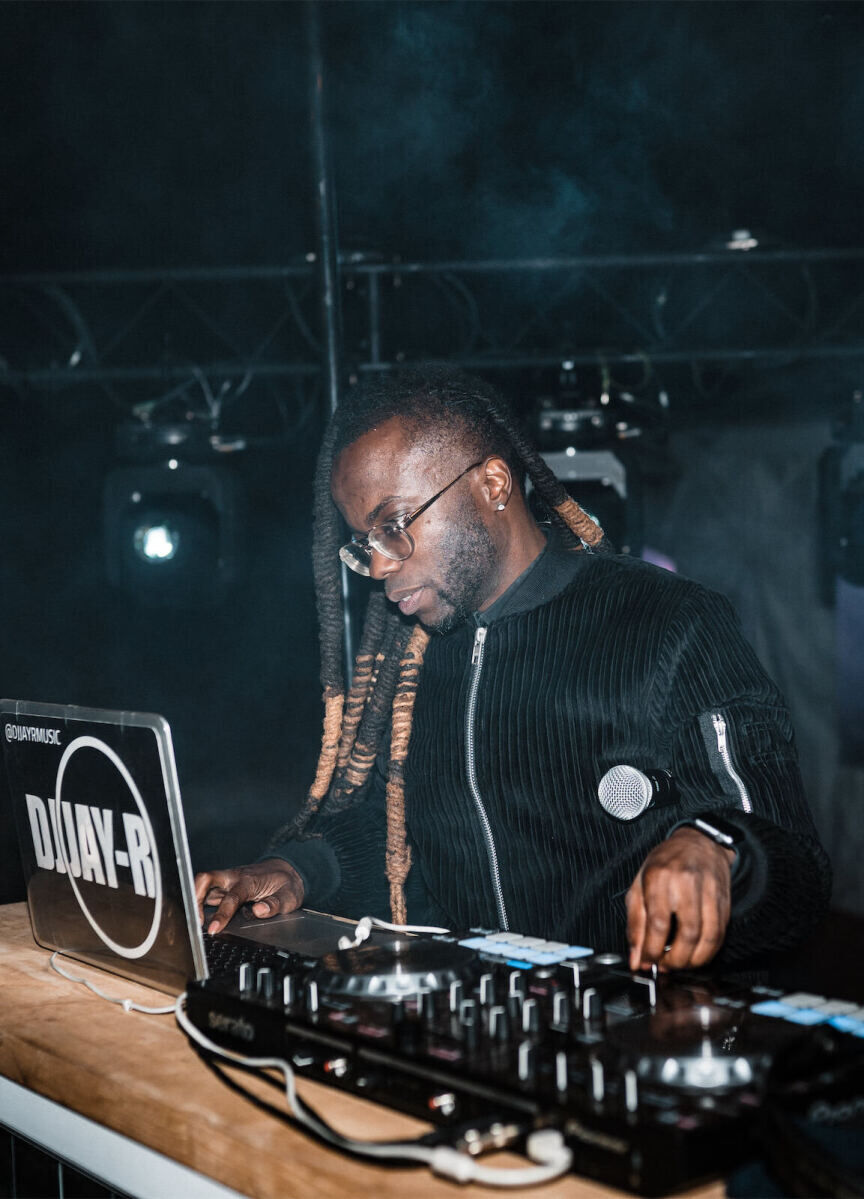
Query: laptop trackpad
[304,931]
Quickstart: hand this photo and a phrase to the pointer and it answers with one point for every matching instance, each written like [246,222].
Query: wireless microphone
[625,792]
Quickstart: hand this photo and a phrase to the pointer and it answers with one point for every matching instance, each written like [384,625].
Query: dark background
[172,135]
[176,134]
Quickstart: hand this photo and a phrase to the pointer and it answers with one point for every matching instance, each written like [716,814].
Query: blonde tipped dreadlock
[334,704]
[577,519]
[398,850]
[389,661]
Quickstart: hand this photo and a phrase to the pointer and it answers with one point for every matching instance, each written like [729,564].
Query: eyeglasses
[391,538]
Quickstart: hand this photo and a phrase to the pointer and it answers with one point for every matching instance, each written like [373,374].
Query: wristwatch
[721,831]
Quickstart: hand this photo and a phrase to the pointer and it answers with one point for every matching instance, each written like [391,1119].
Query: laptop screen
[102,839]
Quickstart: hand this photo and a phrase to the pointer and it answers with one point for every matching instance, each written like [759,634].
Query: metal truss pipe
[327,262]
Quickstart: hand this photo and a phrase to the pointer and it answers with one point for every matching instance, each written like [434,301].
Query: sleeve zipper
[719,722]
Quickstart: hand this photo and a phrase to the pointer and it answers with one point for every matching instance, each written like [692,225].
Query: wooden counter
[137,1075]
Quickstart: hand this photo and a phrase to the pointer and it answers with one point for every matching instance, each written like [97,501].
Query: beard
[469,569]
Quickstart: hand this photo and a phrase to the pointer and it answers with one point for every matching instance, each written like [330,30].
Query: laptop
[103,845]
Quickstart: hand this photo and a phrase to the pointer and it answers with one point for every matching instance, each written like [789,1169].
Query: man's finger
[715,917]
[212,883]
[661,903]
[203,883]
[269,905]
[688,936]
[230,903]
[635,923]
[687,903]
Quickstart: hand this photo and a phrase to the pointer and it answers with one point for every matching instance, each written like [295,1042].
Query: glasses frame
[400,523]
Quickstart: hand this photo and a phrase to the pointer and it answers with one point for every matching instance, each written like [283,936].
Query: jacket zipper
[470,762]
[723,748]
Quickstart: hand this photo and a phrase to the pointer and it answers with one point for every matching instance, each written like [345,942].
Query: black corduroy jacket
[586,662]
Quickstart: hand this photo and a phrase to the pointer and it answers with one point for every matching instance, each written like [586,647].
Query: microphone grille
[625,792]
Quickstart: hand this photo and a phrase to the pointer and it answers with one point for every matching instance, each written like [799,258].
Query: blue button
[538,958]
[773,1007]
[847,1024]
[807,1015]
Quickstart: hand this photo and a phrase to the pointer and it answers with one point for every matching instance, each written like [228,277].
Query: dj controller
[655,1082]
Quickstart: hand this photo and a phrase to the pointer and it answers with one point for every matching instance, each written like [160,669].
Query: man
[509,667]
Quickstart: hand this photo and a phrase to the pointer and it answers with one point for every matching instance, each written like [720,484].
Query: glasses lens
[392,542]
[357,557]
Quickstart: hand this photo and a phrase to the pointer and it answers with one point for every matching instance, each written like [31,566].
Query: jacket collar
[549,573]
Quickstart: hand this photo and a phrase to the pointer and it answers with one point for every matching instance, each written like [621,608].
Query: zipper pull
[720,729]
[479,638]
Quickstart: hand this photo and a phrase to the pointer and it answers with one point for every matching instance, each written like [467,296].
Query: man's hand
[270,888]
[686,877]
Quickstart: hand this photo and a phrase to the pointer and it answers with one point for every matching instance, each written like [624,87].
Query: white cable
[361,933]
[365,925]
[546,1147]
[407,928]
[127,1004]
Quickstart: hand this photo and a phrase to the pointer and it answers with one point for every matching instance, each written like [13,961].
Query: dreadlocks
[437,404]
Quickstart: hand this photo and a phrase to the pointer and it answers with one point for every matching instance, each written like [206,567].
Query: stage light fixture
[172,532]
[598,439]
[607,488]
[156,543]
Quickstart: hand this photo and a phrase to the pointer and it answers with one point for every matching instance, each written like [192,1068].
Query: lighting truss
[205,337]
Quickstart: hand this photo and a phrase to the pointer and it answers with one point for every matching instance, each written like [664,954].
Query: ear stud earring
[501,507]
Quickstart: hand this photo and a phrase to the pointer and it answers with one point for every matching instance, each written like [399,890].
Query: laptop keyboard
[227,954]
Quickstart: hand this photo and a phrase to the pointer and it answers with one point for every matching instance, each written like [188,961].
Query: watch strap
[721,831]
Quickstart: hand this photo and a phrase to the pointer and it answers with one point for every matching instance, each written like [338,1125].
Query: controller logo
[81,841]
